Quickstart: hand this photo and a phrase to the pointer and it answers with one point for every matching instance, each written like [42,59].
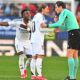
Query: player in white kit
[37,40]
[22,39]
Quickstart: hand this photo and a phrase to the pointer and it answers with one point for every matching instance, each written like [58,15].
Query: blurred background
[55,42]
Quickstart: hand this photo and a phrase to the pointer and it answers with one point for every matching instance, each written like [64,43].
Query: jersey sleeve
[62,17]
[13,23]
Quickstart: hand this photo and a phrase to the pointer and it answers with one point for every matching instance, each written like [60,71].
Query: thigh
[70,53]
[75,54]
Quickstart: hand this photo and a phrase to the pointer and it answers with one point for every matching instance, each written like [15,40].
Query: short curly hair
[26,9]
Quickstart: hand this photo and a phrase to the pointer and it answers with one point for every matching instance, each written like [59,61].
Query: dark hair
[43,6]
[60,3]
[23,10]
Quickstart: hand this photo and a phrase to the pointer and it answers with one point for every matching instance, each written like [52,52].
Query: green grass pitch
[55,68]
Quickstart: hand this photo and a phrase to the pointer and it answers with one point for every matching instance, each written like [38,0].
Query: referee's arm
[62,17]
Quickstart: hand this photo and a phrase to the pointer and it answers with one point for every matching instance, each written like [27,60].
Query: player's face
[46,10]
[57,9]
[27,15]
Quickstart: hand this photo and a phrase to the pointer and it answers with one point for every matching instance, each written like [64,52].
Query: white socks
[39,66]
[36,64]
[33,66]
[21,63]
[27,62]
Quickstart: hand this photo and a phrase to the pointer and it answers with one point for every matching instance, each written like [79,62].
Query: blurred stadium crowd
[12,9]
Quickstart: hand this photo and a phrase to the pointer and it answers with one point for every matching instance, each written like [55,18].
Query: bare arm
[4,24]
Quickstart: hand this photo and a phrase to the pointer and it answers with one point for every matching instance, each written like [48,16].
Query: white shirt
[37,35]
[21,33]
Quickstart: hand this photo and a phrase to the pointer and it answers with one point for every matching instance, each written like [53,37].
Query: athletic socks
[39,66]
[33,66]
[76,62]
[71,67]
[21,63]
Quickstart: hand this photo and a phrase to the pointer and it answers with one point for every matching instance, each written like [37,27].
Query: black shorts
[74,39]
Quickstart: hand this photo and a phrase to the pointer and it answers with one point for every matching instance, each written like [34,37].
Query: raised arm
[4,24]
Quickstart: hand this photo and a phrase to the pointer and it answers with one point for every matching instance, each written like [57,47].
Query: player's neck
[25,21]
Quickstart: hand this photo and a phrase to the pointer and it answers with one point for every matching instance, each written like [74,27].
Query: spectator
[14,10]
[23,6]
[1,3]
[1,12]
[68,6]
[7,10]
[78,7]
[33,9]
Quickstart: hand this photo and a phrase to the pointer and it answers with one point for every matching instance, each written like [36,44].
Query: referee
[67,18]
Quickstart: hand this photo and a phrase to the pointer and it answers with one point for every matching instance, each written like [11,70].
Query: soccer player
[67,18]
[37,41]
[22,40]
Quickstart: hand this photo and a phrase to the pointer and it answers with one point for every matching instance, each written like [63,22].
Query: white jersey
[37,36]
[22,34]
[22,39]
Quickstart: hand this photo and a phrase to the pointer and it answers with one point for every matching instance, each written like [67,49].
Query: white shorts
[37,49]
[23,46]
